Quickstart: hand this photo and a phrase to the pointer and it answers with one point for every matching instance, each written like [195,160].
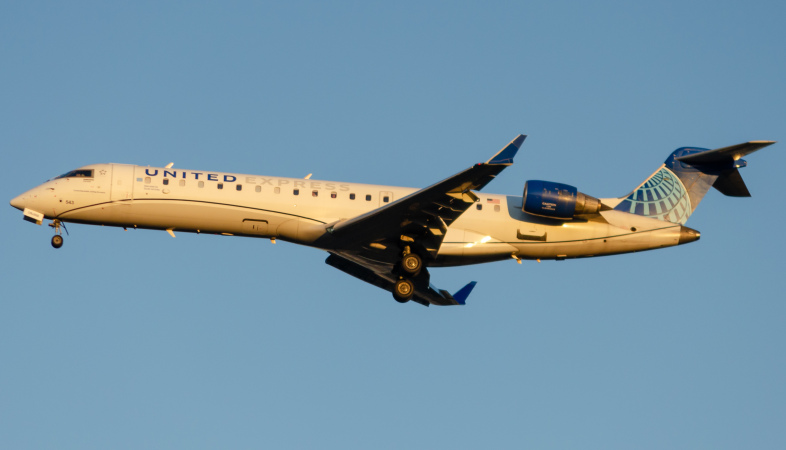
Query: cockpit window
[82,173]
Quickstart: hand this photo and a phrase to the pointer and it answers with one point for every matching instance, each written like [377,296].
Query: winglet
[461,295]
[505,156]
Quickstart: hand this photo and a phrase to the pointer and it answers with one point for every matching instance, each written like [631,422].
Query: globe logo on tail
[662,196]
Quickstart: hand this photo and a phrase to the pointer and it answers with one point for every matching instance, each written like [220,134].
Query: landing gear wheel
[403,290]
[57,241]
[411,264]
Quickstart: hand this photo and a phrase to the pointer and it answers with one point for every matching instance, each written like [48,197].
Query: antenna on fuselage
[169,166]
[308,176]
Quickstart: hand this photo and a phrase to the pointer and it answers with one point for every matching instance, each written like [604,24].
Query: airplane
[389,236]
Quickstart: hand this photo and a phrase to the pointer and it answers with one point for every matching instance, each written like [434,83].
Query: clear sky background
[137,340]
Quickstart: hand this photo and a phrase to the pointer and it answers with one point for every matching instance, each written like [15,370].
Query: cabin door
[122,182]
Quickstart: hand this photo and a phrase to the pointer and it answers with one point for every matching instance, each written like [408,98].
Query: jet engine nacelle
[557,200]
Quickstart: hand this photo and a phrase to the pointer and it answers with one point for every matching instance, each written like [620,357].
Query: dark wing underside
[381,276]
[368,246]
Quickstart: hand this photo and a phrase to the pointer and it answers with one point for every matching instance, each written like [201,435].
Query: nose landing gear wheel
[403,290]
[57,241]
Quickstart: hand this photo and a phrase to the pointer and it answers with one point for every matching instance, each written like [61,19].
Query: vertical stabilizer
[674,191]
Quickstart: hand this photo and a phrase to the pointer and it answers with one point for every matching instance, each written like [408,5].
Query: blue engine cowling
[557,200]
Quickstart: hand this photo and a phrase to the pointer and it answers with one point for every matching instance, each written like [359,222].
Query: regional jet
[389,236]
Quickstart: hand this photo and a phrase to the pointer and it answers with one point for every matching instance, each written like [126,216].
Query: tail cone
[688,235]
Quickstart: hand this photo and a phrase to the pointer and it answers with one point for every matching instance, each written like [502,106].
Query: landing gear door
[122,182]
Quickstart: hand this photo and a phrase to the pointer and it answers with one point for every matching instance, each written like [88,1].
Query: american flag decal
[493,201]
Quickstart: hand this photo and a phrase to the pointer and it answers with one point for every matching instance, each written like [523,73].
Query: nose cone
[688,235]
[18,202]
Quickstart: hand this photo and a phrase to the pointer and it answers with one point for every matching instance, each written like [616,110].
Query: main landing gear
[57,239]
[410,266]
[403,290]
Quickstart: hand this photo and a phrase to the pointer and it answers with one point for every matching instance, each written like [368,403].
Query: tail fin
[674,191]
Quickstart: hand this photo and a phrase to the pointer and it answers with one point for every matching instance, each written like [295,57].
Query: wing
[424,216]
[369,246]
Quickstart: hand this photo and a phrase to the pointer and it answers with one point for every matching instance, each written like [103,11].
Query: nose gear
[57,239]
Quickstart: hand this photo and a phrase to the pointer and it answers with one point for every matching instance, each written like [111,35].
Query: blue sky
[137,340]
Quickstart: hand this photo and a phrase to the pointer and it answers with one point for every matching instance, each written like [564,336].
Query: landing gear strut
[57,239]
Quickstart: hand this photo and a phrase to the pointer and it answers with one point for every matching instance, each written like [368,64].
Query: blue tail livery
[674,191]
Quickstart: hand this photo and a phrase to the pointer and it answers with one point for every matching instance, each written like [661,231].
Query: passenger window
[314,193]
[386,199]
[201,184]
[182,182]
[333,195]
[296,192]
[351,196]
[368,198]
[479,206]
[496,208]
[277,190]
[220,185]
[147,180]
[166,181]
[239,187]
[258,188]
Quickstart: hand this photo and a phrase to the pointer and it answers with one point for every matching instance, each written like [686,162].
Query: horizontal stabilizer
[724,155]
[731,184]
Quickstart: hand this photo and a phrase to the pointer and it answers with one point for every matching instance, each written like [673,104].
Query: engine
[557,200]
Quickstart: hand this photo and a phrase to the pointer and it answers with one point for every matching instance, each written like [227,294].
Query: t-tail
[674,191]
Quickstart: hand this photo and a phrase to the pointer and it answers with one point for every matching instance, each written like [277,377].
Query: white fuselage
[301,210]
